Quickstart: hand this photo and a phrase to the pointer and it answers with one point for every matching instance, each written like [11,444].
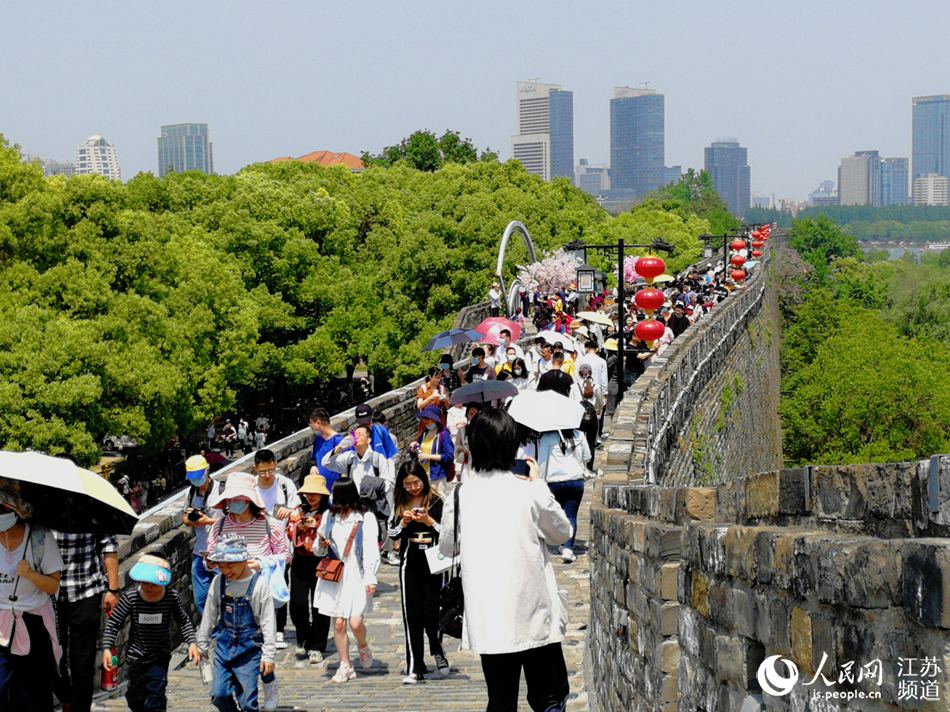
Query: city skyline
[795,110]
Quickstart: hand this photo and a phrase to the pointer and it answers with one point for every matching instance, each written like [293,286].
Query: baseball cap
[364,413]
[196,467]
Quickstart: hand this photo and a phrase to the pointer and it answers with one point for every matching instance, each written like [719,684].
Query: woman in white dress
[353,539]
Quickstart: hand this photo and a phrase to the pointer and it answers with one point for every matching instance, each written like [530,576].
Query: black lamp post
[579,250]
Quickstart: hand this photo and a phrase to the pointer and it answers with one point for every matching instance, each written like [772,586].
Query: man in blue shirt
[382,441]
[326,439]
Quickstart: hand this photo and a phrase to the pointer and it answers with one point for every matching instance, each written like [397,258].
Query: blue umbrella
[483,392]
[452,337]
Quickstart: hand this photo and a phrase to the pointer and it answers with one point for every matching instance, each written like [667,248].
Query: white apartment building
[930,189]
[98,156]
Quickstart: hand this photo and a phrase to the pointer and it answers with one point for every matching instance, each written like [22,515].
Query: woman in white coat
[353,539]
[514,616]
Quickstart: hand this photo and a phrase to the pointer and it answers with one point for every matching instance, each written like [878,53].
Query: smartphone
[520,468]
[418,510]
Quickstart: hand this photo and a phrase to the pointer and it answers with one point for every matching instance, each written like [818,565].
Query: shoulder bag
[330,568]
[451,597]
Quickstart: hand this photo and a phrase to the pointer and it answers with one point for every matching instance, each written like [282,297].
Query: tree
[693,194]
[424,152]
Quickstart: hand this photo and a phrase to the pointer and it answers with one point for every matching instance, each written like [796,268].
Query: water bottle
[206,673]
[110,676]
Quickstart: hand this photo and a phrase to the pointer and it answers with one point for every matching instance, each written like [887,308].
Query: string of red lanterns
[649,299]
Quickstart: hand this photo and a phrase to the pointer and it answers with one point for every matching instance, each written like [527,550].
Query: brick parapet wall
[700,584]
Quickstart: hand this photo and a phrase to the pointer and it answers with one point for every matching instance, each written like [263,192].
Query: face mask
[518,372]
[444,366]
[430,426]
[476,360]
[237,506]
[7,521]
[197,484]
[511,357]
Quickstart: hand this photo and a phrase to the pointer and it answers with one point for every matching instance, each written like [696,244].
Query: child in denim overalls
[239,617]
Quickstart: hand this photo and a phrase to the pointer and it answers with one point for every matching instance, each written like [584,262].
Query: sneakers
[300,652]
[413,679]
[391,558]
[344,674]
[567,555]
[281,643]
[315,657]
[271,695]
[441,666]
[366,658]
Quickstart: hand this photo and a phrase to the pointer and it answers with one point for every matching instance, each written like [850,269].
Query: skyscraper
[591,179]
[637,140]
[931,152]
[185,147]
[859,179]
[727,163]
[545,140]
[97,155]
[894,185]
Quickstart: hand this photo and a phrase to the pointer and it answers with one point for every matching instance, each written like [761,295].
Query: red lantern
[757,253]
[756,235]
[737,260]
[650,267]
[737,275]
[758,244]
[649,299]
[737,244]
[649,329]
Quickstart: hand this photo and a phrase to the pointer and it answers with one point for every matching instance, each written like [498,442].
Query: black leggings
[544,672]
[312,626]
[420,608]
[25,680]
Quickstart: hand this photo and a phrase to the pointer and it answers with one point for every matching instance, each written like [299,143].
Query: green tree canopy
[424,151]
[693,194]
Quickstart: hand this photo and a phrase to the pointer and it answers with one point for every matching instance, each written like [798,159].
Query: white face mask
[7,521]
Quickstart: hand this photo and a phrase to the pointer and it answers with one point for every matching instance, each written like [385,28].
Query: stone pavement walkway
[305,687]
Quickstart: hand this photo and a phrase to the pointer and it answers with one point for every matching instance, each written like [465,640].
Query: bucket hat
[432,412]
[240,484]
[314,484]
[230,549]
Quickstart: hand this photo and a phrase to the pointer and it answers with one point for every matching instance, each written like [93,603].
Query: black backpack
[590,414]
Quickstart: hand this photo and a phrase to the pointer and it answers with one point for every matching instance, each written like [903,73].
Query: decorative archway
[510,293]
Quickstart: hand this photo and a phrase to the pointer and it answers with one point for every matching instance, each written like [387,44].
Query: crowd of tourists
[267,547]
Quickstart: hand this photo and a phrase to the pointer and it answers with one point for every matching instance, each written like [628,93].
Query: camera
[194,514]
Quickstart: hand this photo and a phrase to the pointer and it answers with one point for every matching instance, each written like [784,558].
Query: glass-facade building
[637,140]
[727,164]
[185,147]
[561,108]
[931,150]
[894,177]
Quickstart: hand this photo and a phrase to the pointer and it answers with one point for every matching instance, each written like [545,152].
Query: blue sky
[800,85]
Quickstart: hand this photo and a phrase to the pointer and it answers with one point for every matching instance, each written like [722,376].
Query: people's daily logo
[772,681]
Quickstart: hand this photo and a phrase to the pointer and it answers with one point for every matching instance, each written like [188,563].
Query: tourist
[279,495]
[30,575]
[89,585]
[514,617]
[432,392]
[511,354]
[265,542]
[494,299]
[679,322]
[150,607]
[519,375]
[598,366]
[478,370]
[325,439]
[380,439]
[312,627]
[434,448]
[198,516]
[450,378]
[239,617]
[555,379]
[415,524]
[562,459]
[351,537]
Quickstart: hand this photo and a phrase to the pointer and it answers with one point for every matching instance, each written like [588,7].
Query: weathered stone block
[743,605]
[697,503]
[739,545]
[780,638]
[665,542]
[793,488]
[872,573]
[669,655]
[926,581]
[802,647]
[669,618]
[761,493]
[699,594]
[668,579]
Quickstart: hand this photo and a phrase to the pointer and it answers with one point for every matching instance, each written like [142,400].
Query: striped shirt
[255,533]
[150,633]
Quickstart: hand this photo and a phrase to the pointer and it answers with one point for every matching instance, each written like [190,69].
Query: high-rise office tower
[931,151]
[859,179]
[185,147]
[637,140]
[545,140]
[727,163]
[591,179]
[97,155]
[894,181]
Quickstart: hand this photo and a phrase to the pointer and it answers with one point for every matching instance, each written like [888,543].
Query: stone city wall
[707,408]
[693,587]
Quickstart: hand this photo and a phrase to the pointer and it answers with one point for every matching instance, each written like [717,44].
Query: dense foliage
[865,355]
[424,151]
[895,223]
[694,195]
[144,308]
